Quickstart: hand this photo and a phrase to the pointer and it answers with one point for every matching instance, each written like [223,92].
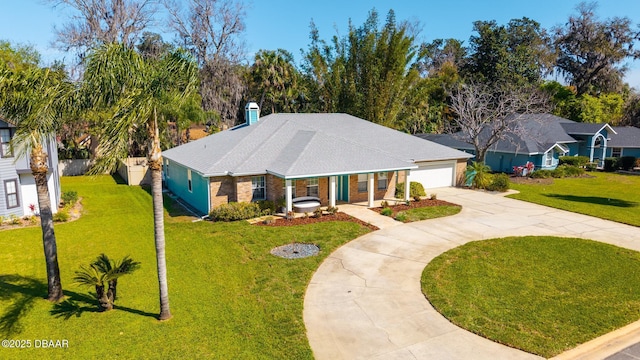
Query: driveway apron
[365,301]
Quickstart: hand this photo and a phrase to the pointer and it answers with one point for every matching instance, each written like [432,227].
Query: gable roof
[536,135]
[625,136]
[308,145]
[576,128]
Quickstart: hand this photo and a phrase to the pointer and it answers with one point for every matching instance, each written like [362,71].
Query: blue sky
[273,24]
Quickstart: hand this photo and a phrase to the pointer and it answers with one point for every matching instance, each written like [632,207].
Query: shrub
[500,182]
[402,217]
[384,203]
[62,215]
[317,213]
[482,178]
[269,220]
[610,164]
[386,211]
[415,189]
[627,162]
[417,198]
[591,166]
[69,198]
[267,207]
[332,210]
[579,161]
[558,172]
[235,211]
[541,174]
[433,196]
[572,171]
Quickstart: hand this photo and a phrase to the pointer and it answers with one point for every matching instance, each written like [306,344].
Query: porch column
[288,195]
[332,191]
[407,188]
[370,189]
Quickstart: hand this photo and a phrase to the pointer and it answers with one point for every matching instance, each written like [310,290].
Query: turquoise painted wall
[635,152]
[176,180]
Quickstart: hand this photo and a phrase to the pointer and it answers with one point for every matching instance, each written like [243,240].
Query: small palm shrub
[402,217]
[415,189]
[482,177]
[500,182]
[235,211]
[386,211]
[103,274]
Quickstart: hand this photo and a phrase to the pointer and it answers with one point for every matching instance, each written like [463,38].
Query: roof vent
[251,113]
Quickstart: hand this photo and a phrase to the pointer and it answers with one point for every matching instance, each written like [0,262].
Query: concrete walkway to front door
[365,302]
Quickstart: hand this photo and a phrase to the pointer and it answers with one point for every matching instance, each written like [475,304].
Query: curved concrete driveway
[365,302]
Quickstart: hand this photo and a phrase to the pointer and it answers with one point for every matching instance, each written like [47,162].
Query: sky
[273,24]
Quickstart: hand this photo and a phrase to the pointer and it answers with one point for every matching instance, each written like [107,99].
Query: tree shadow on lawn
[22,292]
[595,200]
[76,304]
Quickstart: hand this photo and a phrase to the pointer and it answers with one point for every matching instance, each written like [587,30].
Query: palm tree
[104,270]
[134,90]
[35,100]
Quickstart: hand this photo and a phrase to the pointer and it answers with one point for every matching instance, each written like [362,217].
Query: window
[382,181]
[312,187]
[189,180]
[258,187]
[616,152]
[362,183]
[293,188]
[166,168]
[11,193]
[5,143]
[548,158]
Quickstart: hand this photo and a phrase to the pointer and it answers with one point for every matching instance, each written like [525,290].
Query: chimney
[251,113]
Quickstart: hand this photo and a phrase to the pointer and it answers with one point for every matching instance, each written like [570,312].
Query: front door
[343,188]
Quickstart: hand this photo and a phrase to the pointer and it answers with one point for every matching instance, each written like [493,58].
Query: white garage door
[434,174]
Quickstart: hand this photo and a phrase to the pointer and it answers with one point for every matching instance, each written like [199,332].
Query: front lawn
[605,195]
[543,295]
[230,298]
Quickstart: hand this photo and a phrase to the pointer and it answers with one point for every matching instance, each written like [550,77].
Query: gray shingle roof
[304,145]
[627,137]
[538,133]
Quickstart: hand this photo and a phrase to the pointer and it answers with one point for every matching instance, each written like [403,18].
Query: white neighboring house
[17,185]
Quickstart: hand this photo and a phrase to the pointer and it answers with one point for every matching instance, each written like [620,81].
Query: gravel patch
[295,250]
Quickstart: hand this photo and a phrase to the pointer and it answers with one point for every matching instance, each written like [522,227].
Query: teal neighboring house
[542,138]
[626,142]
[333,157]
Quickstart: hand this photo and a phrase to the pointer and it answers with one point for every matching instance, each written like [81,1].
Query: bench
[305,204]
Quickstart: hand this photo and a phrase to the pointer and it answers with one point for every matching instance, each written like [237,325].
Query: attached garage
[435,174]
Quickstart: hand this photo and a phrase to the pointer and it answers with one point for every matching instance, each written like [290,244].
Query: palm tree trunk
[155,166]
[39,170]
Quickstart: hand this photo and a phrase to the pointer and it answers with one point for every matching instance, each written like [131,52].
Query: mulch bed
[401,206]
[339,216]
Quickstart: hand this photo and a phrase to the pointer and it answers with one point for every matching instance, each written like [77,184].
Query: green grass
[230,298]
[543,295]
[606,195]
[429,212]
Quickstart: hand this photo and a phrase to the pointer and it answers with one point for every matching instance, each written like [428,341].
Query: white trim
[407,183]
[370,189]
[288,195]
[304,176]
[332,191]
